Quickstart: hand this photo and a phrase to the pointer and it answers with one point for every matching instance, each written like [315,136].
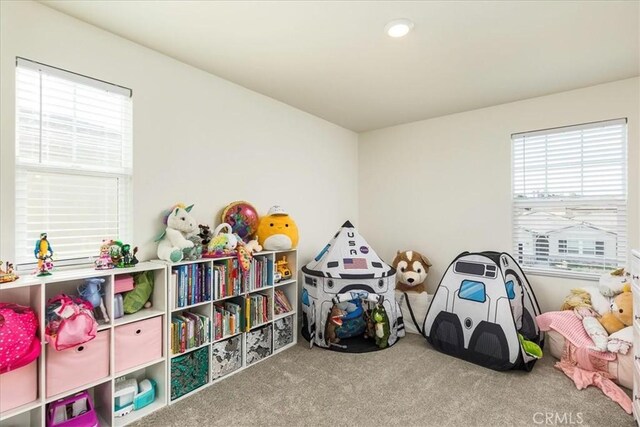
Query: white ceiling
[333,60]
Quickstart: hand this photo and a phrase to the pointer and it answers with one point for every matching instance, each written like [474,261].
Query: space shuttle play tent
[348,273]
[482,305]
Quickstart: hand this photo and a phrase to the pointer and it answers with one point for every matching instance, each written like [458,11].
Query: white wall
[443,186]
[440,186]
[197,138]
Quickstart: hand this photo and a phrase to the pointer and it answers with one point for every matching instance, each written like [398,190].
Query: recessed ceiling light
[398,28]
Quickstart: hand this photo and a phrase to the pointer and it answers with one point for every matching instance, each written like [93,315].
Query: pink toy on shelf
[123,283]
[72,411]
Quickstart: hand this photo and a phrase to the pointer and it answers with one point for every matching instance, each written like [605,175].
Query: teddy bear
[180,225]
[411,271]
[621,313]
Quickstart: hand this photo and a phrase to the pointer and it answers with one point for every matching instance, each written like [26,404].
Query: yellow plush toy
[277,231]
[621,313]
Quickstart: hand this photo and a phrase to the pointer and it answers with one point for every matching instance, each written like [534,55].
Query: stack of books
[227,279]
[260,274]
[281,302]
[257,310]
[190,284]
[227,319]
[189,330]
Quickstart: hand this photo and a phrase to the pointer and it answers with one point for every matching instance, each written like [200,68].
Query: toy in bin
[72,411]
[131,396]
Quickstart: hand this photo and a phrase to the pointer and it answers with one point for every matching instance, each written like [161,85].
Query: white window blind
[570,198]
[73,162]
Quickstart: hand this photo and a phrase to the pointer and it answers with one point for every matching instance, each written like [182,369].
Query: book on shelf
[281,302]
[189,330]
[260,274]
[257,310]
[227,279]
[190,284]
[228,319]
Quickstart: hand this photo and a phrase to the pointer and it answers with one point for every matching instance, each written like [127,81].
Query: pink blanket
[569,326]
[579,362]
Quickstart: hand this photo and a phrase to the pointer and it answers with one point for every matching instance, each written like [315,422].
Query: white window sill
[593,277]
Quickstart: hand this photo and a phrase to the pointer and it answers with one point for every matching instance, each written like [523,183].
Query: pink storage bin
[77,366]
[138,343]
[19,387]
[123,283]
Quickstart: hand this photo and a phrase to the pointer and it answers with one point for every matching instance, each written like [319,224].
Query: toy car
[72,411]
[282,267]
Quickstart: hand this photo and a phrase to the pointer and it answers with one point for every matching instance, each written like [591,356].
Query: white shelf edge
[78,389]
[138,367]
[136,415]
[260,325]
[188,307]
[258,290]
[20,409]
[226,337]
[283,315]
[145,313]
[189,350]
[285,282]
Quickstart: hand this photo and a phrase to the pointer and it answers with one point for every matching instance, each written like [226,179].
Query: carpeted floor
[409,384]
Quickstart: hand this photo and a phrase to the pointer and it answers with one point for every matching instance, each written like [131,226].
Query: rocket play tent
[348,297]
[483,311]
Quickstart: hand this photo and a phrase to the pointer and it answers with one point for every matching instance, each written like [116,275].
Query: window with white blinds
[570,198]
[73,162]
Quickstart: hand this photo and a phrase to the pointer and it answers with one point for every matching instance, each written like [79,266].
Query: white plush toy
[180,225]
[613,283]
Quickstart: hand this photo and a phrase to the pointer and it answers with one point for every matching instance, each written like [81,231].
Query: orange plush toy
[621,314]
[277,231]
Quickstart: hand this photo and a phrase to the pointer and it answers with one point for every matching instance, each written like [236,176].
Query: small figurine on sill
[7,275]
[115,251]
[129,256]
[44,253]
[104,262]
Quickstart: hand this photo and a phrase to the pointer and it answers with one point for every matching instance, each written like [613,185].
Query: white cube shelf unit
[198,361]
[34,292]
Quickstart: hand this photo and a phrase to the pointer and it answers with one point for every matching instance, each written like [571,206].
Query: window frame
[123,178]
[598,245]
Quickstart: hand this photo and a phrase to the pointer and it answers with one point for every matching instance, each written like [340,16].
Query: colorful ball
[243,218]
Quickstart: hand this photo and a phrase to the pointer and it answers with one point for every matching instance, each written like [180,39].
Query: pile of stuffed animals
[606,311]
[241,234]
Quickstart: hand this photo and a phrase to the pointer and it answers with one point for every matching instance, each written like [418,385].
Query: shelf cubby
[219,367]
[35,291]
[155,371]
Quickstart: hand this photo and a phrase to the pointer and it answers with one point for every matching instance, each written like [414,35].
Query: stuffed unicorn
[180,225]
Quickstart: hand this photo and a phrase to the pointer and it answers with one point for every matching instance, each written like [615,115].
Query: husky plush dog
[412,269]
